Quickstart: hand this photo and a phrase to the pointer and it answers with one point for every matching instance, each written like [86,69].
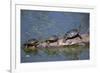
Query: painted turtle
[52,39]
[31,43]
[71,34]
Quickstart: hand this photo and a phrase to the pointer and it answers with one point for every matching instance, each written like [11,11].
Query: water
[56,54]
[44,24]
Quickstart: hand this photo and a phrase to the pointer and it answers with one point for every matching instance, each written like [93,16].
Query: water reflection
[73,52]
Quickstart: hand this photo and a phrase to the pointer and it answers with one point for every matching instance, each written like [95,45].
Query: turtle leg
[57,43]
[48,44]
[35,45]
[64,40]
[79,36]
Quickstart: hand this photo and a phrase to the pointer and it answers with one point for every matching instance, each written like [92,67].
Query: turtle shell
[53,38]
[33,41]
[72,33]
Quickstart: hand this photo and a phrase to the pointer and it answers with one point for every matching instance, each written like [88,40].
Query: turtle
[71,35]
[31,43]
[52,39]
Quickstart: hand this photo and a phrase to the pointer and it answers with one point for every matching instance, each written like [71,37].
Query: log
[77,40]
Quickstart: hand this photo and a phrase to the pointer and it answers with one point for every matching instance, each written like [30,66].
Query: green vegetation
[31,50]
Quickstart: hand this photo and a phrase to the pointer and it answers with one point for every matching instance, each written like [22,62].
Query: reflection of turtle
[71,34]
[52,39]
[31,43]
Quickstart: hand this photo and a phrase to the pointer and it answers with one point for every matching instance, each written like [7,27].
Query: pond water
[66,53]
[43,24]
